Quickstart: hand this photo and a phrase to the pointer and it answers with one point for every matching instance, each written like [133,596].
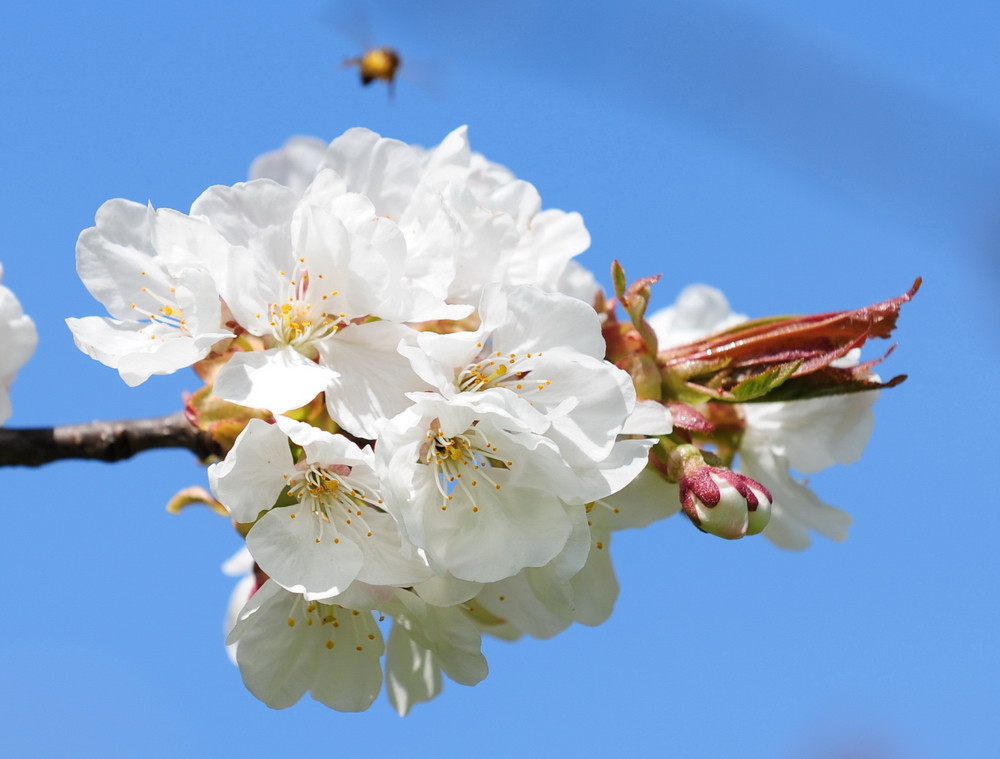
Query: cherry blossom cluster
[430,419]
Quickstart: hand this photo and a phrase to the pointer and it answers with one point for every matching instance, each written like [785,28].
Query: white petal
[412,675]
[595,587]
[647,498]
[304,553]
[293,165]
[512,529]
[813,434]
[372,377]
[795,509]
[648,418]
[384,170]
[449,633]
[255,471]
[279,379]
[140,350]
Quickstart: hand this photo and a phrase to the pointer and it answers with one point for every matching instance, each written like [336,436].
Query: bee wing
[428,75]
[349,19]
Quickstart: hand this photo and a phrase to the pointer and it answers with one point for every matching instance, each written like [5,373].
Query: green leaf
[761,384]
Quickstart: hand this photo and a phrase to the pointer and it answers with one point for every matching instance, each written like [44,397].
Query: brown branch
[103,441]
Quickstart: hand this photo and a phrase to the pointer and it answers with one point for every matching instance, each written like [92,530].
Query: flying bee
[377,63]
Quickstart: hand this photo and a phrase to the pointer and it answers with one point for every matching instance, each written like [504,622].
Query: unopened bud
[725,503]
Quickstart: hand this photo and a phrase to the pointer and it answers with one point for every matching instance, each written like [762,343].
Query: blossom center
[168,313]
[300,316]
[498,369]
[332,500]
[462,463]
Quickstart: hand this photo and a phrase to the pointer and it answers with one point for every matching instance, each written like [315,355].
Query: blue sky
[802,157]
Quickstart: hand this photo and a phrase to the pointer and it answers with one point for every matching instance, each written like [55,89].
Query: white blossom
[319,523]
[293,165]
[151,270]
[476,484]
[287,646]
[18,339]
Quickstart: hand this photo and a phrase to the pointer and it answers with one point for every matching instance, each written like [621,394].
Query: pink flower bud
[725,503]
